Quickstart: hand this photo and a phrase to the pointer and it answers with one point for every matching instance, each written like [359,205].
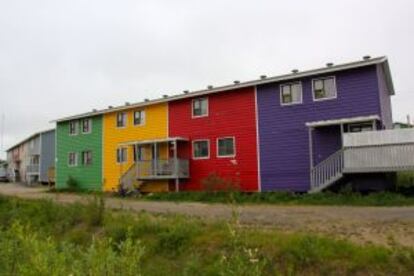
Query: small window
[201,149]
[361,127]
[87,157]
[86,126]
[121,155]
[121,119]
[225,147]
[138,153]
[324,89]
[291,93]
[200,107]
[73,128]
[139,117]
[73,159]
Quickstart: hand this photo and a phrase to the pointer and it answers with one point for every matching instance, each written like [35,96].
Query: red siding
[230,114]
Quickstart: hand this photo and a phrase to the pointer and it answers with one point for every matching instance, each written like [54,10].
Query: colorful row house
[33,159]
[302,132]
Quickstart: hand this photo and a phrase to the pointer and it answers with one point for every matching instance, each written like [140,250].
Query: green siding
[88,177]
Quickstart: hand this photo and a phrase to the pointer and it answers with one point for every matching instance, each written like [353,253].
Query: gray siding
[47,156]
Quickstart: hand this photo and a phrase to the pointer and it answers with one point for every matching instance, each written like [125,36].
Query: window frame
[126,155]
[76,122]
[360,125]
[218,148]
[83,158]
[192,107]
[76,159]
[290,84]
[126,119]
[193,149]
[326,98]
[90,126]
[143,118]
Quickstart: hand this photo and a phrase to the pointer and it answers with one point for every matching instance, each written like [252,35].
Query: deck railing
[328,171]
[33,169]
[163,169]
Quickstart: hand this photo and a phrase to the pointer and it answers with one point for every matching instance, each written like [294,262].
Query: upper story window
[121,155]
[86,126]
[72,159]
[73,128]
[324,89]
[139,117]
[87,157]
[121,119]
[226,147]
[200,107]
[291,93]
[201,149]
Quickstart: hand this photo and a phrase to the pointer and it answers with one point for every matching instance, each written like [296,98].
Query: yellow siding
[155,127]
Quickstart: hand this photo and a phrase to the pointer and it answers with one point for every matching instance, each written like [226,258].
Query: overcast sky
[60,58]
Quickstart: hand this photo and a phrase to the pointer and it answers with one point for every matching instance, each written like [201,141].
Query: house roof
[29,138]
[383,61]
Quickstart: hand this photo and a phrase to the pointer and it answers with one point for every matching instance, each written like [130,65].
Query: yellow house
[128,136]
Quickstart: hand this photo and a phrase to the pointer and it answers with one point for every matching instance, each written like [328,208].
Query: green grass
[285,198]
[43,238]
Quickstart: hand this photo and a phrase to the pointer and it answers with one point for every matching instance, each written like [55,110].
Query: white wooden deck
[366,152]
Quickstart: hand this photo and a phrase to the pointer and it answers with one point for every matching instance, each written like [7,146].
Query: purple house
[322,126]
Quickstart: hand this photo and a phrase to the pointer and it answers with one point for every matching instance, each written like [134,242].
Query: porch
[158,159]
[361,149]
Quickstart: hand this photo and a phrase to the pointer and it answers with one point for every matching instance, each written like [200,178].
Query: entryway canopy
[153,141]
[343,121]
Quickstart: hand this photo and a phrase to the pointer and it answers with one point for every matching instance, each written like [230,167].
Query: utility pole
[2,134]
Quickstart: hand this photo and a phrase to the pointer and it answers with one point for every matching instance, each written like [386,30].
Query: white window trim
[281,93]
[234,147]
[192,149]
[76,128]
[192,108]
[126,155]
[143,121]
[83,161]
[328,98]
[90,126]
[76,159]
[126,119]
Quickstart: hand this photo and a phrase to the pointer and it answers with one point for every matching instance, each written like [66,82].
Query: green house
[79,153]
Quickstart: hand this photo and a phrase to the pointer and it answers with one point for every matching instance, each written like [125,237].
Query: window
[87,157]
[324,89]
[121,119]
[201,149]
[73,128]
[200,107]
[86,126]
[72,159]
[138,153]
[291,93]
[360,127]
[139,117]
[121,155]
[225,147]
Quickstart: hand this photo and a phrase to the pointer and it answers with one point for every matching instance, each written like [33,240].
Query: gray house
[30,160]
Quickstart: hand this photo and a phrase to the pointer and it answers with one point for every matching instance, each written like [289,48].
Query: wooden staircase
[327,172]
[128,180]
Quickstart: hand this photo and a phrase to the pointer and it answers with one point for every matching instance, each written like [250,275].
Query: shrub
[72,183]
[213,183]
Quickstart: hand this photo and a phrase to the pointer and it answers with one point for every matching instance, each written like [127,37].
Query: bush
[72,184]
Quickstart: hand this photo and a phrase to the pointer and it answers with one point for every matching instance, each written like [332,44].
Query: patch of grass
[286,198]
[42,238]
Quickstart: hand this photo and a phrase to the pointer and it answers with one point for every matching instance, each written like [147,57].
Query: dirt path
[378,225]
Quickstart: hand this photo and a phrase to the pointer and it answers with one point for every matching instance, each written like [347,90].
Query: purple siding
[326,141]
[385,99]
[284,139]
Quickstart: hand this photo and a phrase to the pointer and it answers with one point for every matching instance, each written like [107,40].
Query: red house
[222,133]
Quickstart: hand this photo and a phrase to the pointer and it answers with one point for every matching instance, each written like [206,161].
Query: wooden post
[311,147]
[342,135]
[176,168]
[155,158]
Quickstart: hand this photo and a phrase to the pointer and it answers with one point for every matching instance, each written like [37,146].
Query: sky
[60,58]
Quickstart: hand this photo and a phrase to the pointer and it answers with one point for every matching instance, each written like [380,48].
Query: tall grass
[285,198]
[42,238]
